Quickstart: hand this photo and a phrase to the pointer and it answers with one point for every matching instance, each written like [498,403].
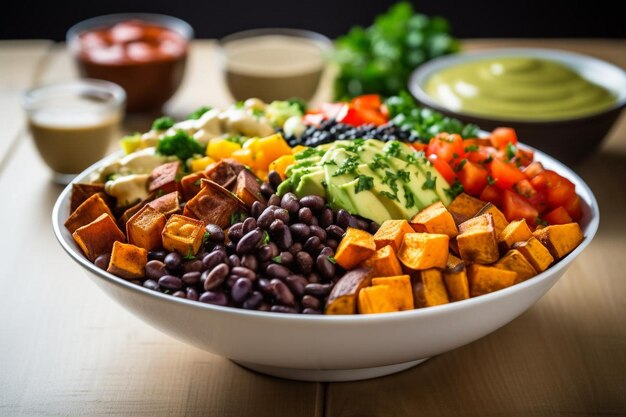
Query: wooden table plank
[566,355]
[68,350]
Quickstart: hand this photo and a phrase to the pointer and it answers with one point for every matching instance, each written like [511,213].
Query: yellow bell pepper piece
[221,148]
[280,164]
[200,164]
[244,156]
[298,148]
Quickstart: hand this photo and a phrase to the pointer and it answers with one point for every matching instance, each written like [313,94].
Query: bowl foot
[330,375]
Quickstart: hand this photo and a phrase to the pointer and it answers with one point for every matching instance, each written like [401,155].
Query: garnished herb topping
[471,148]
[541,221]
[190,256]
[307,153]
[490,180]
[196,114]
[266,237]
[348,166]
[379,162]
[162,123]
[392,148]
[179,144]
[430,183]
[389,195]
[409,196]
[364,183]
[511,151]
[237,217]
[332,259]
[403,175]
[276,258]
[455,189]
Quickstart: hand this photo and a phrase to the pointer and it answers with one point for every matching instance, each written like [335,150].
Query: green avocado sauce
[518,88]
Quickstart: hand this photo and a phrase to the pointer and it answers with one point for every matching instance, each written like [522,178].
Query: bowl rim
[422,73]
[591,230]
[323,41]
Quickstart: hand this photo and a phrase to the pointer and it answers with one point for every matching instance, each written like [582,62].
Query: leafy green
[364,183]
[179,144]
[163,123]
[380,58]
[196,114]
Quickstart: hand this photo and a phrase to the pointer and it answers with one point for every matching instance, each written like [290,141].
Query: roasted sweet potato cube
[81,192]
[384,262]
[464,207]
[516,262]
[560,239]
[163,178]
[214,205]
[128,261]
[391,233]
[248,188]
[356,246]
[183,234]
[455,277]
[400,289]
[167,204]
[429,290]
[378,299]
[537,254]
[87,212]
[97,237]
[424,250]
[516,231]
[190,185]
[221,173]
[485,279]
[499,220]
[435,219]
[145,227]
[477,240]
[343,297]
[131,211]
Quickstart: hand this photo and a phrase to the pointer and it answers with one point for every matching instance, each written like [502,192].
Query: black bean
[326,217]
[210,260]
[242,271]
[215,233]
[332,243]
[286,259]
[283,309]
[274,179]
[314,278]
[300,231]
[241,289]
[305,215]
[276,227]
[362,224]
[274,200]
[318,290]
[267,190]
[264,253]
[192,294]
[253,301]
[319,232]
[102,261]
[309,301]
[264,307]
[266,218]
[311,311]
[230,247]
[250,241]
[277,271]
[353,222]
[151,285]
[234,260]
[295,248]
[335,232]
[215,277]
[170,282]
[157,255]
[312,245]
[314,222]
[327,251]
[282,293]
[264,285]
[343,219]
[314,202]
[180,294]
[290,203]
[235,232]
[296,284]
[304,262]
[257,208]
[192,266]
[284,240]
[250,261]
[211,297]
[219,247]
[230,281]
[373,228]
[173,261]
[248,225]
[325,267]
[281,214]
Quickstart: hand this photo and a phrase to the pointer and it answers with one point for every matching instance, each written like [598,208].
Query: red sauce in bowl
[146,59]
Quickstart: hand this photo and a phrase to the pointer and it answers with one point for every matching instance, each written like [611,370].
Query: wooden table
[67,350]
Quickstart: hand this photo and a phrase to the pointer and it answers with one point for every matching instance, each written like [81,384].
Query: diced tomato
[351,116]
[473,177]
[491,195]
[371,116]
[502,136]
[558,216]
[557,188]
[515,207]
[313,119]
[420,147]
[332,110]
[505,174]
[533,169]
[443,168]
[446,146]
[479,154]
[525,157]
[477,142]
[574,207]
[368,101]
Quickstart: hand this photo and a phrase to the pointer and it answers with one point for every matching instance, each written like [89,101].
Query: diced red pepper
[480,154]
[558,216]
[502,136]
[446,147]
[505,174]
[491,195]
[368,101]
[473,177]
[443,168]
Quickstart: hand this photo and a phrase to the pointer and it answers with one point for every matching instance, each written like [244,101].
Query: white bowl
[329,348]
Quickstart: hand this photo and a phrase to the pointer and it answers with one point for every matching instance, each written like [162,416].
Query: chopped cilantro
[430,183]
[461,164]
[276,258]
[455,189]
[266,237]
[392,148]
[490,180]
[409,196]
[307,153]
[541,221]
[471,148]
[349,165]
[389,195]
[332,259]
[403,175]
[329,162]
[488,160]
[355,146]
[179,144]
[190,256]
[205,237]
[390,179]
[163,123]
[511,150]
[364,183]
[196,114]
[379,162]
[238,139]
[237,217]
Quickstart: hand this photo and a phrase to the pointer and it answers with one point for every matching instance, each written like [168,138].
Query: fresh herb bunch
[380,58]
[422,122]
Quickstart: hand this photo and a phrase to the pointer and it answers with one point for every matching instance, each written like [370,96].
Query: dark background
[212,19]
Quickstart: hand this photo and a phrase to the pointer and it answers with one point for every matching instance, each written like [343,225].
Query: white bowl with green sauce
[561,102]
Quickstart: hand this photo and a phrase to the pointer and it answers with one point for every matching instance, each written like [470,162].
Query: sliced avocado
[375,209]
[284,187]
[423,197]
[441,185]
[311,184]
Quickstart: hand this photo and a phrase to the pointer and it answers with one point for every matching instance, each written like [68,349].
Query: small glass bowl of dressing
[73,123]
[274,63]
